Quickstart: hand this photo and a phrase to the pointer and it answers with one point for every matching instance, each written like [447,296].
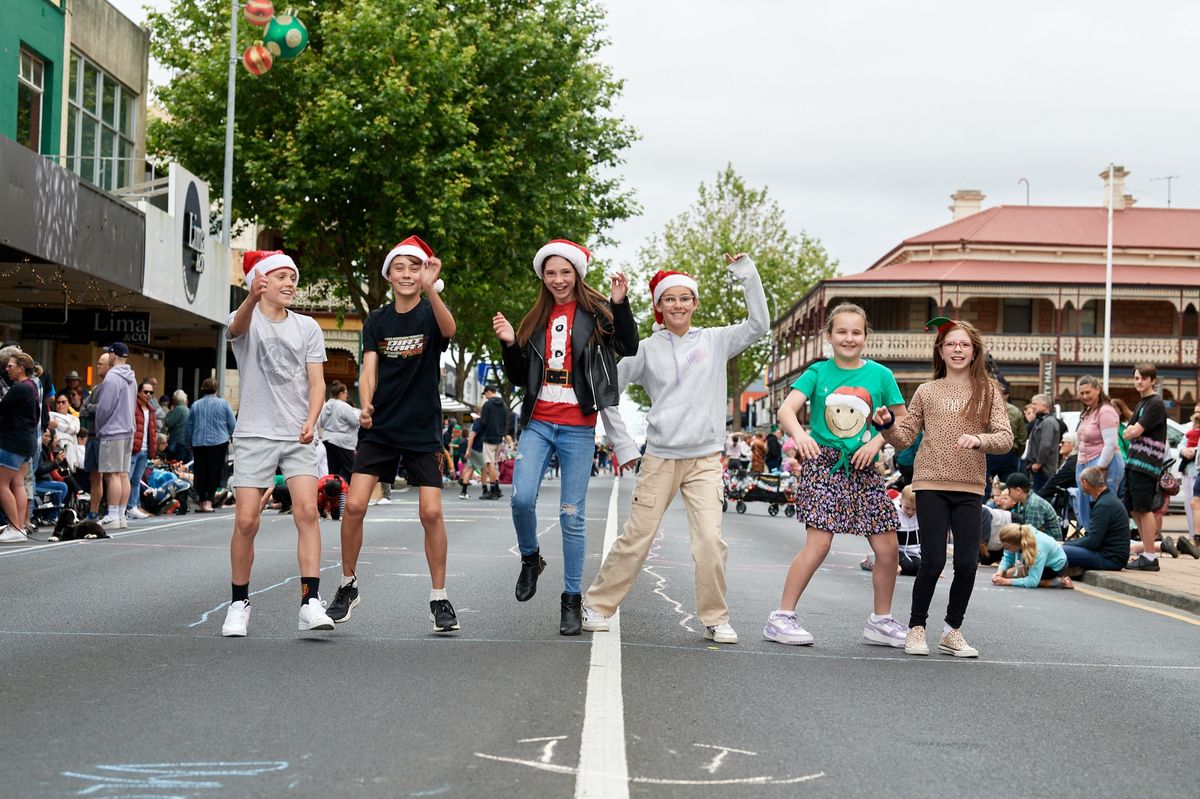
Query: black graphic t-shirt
[408,397]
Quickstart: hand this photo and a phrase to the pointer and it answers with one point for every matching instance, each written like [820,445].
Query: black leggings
[938,511]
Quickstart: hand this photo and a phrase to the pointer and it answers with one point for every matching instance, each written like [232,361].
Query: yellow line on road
[1169,614]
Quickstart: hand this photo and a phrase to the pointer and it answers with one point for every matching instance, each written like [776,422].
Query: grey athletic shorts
[255,461]
[115,455]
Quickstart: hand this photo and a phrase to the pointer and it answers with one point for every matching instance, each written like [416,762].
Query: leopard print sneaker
[914,642]
[953,643]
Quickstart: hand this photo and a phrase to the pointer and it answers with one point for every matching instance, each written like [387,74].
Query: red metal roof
[971,271]
[1053,226]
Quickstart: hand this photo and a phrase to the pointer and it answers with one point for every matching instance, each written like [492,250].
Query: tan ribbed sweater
[937,408]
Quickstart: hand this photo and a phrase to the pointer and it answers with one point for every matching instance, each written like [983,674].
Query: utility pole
[1168,179]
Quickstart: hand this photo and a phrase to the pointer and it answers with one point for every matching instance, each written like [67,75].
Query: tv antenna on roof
[1168,179]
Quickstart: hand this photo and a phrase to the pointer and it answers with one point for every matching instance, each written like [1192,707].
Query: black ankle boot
[531,567]
[572,615]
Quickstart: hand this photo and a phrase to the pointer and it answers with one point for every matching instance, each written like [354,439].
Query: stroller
[1068,520]
[774,489]
[165,492]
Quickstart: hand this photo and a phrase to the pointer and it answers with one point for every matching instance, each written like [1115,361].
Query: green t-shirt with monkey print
[842,401]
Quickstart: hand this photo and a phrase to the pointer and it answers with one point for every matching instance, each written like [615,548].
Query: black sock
[309,588]
[241,592]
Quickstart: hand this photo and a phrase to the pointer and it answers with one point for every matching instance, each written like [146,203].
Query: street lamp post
[1108,277]
[227,187]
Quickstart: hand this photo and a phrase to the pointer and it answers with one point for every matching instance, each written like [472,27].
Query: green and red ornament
[286,37]
[259,12]
[257,59]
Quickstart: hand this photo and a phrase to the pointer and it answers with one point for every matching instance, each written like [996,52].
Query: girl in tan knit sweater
[964,417]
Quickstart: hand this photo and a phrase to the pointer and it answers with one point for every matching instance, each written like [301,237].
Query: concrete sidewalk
[1177,584]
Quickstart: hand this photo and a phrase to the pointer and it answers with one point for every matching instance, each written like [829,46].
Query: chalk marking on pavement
[1122,601]
[603,770]
[581,774]
[662,582]
[719,757]
[547,750]
[165,776]
[205,615]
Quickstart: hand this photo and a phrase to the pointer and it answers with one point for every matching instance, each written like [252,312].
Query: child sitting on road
[908,534]
[331,496]
[1031,559]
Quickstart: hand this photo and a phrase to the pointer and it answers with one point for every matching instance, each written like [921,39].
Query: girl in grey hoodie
[682,368]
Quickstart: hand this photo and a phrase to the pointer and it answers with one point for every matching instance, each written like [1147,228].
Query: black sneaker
[1168,546]
[1187,547]
[1142,563]
[441,613]
[345,600]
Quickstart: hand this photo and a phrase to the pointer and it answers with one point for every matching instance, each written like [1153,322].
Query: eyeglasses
[957,345]
[686,299]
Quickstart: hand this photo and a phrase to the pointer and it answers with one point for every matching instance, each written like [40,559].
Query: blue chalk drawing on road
[169,780]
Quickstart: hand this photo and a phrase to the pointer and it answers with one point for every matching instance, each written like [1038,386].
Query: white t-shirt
[908,531]
[272,360]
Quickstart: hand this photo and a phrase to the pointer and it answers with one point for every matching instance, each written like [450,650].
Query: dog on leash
[70,528]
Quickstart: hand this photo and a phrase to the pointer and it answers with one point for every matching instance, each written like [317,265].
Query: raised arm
[445,319]
[245,312]
[740,336]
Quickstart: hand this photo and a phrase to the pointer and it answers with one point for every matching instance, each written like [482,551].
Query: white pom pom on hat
[262,262]
[577,254]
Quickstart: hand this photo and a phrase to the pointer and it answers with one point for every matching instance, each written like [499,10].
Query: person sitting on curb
[908,533]
[1106,545]
[1037,512]
[1031,559]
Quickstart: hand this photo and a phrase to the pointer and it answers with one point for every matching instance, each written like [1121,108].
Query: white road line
[603,769]
[56,546]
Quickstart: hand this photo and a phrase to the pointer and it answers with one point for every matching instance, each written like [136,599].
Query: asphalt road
[117,682]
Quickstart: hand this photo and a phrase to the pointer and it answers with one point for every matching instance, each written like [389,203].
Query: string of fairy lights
[53,277]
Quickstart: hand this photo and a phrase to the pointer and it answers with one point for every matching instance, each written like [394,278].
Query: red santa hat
[411,246]
[577,254]
[666,279]
[262,262]
[851,397]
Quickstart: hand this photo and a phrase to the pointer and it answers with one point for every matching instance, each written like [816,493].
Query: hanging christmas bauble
[257,58]
[286,36]
[259,12]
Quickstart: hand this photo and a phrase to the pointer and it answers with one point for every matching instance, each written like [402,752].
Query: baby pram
[164,491]
[775,489]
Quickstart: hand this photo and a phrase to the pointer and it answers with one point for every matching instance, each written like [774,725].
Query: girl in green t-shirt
[838,489]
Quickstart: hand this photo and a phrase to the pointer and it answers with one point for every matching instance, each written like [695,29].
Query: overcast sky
[863,117]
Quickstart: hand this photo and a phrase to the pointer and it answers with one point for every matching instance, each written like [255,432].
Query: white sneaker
[593,622]
[314,617]
[236,619]
[783,627]
[721,634]
[11,535]
[111,522]
[122,523]
[383,501]
[137,513]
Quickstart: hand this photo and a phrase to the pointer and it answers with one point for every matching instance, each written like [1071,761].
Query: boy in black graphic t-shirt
[401,418]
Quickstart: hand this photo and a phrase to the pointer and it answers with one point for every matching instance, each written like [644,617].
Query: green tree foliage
[484,126]
[731,217]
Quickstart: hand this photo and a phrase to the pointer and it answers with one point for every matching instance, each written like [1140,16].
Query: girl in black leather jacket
[563,354]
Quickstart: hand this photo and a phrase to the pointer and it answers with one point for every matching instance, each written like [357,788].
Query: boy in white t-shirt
[908,532]
[279,356]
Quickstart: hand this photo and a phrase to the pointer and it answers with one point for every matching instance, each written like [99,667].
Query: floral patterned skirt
[841,502]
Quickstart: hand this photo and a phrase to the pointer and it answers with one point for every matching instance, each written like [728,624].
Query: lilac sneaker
[887,632]
[784,628]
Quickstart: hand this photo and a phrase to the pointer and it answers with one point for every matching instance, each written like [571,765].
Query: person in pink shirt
[1098,445]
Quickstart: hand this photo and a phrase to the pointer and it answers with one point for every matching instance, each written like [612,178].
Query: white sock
[946,630]
[347,581]
[114,511]
[875,617]
[1150,555]
[437,593]
[123,510]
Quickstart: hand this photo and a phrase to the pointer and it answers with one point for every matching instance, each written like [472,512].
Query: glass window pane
[109,114]
[26,101]
[26,65]
[107,147]
[74,78]
[124,164]
[129,107]
[36,77]
[87,149]
[89,87]
[72,120]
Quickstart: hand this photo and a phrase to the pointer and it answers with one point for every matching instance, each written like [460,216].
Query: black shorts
[91,454]
[380,460]
[1140,491]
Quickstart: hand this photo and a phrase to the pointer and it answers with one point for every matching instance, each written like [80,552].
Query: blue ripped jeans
[575,446]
